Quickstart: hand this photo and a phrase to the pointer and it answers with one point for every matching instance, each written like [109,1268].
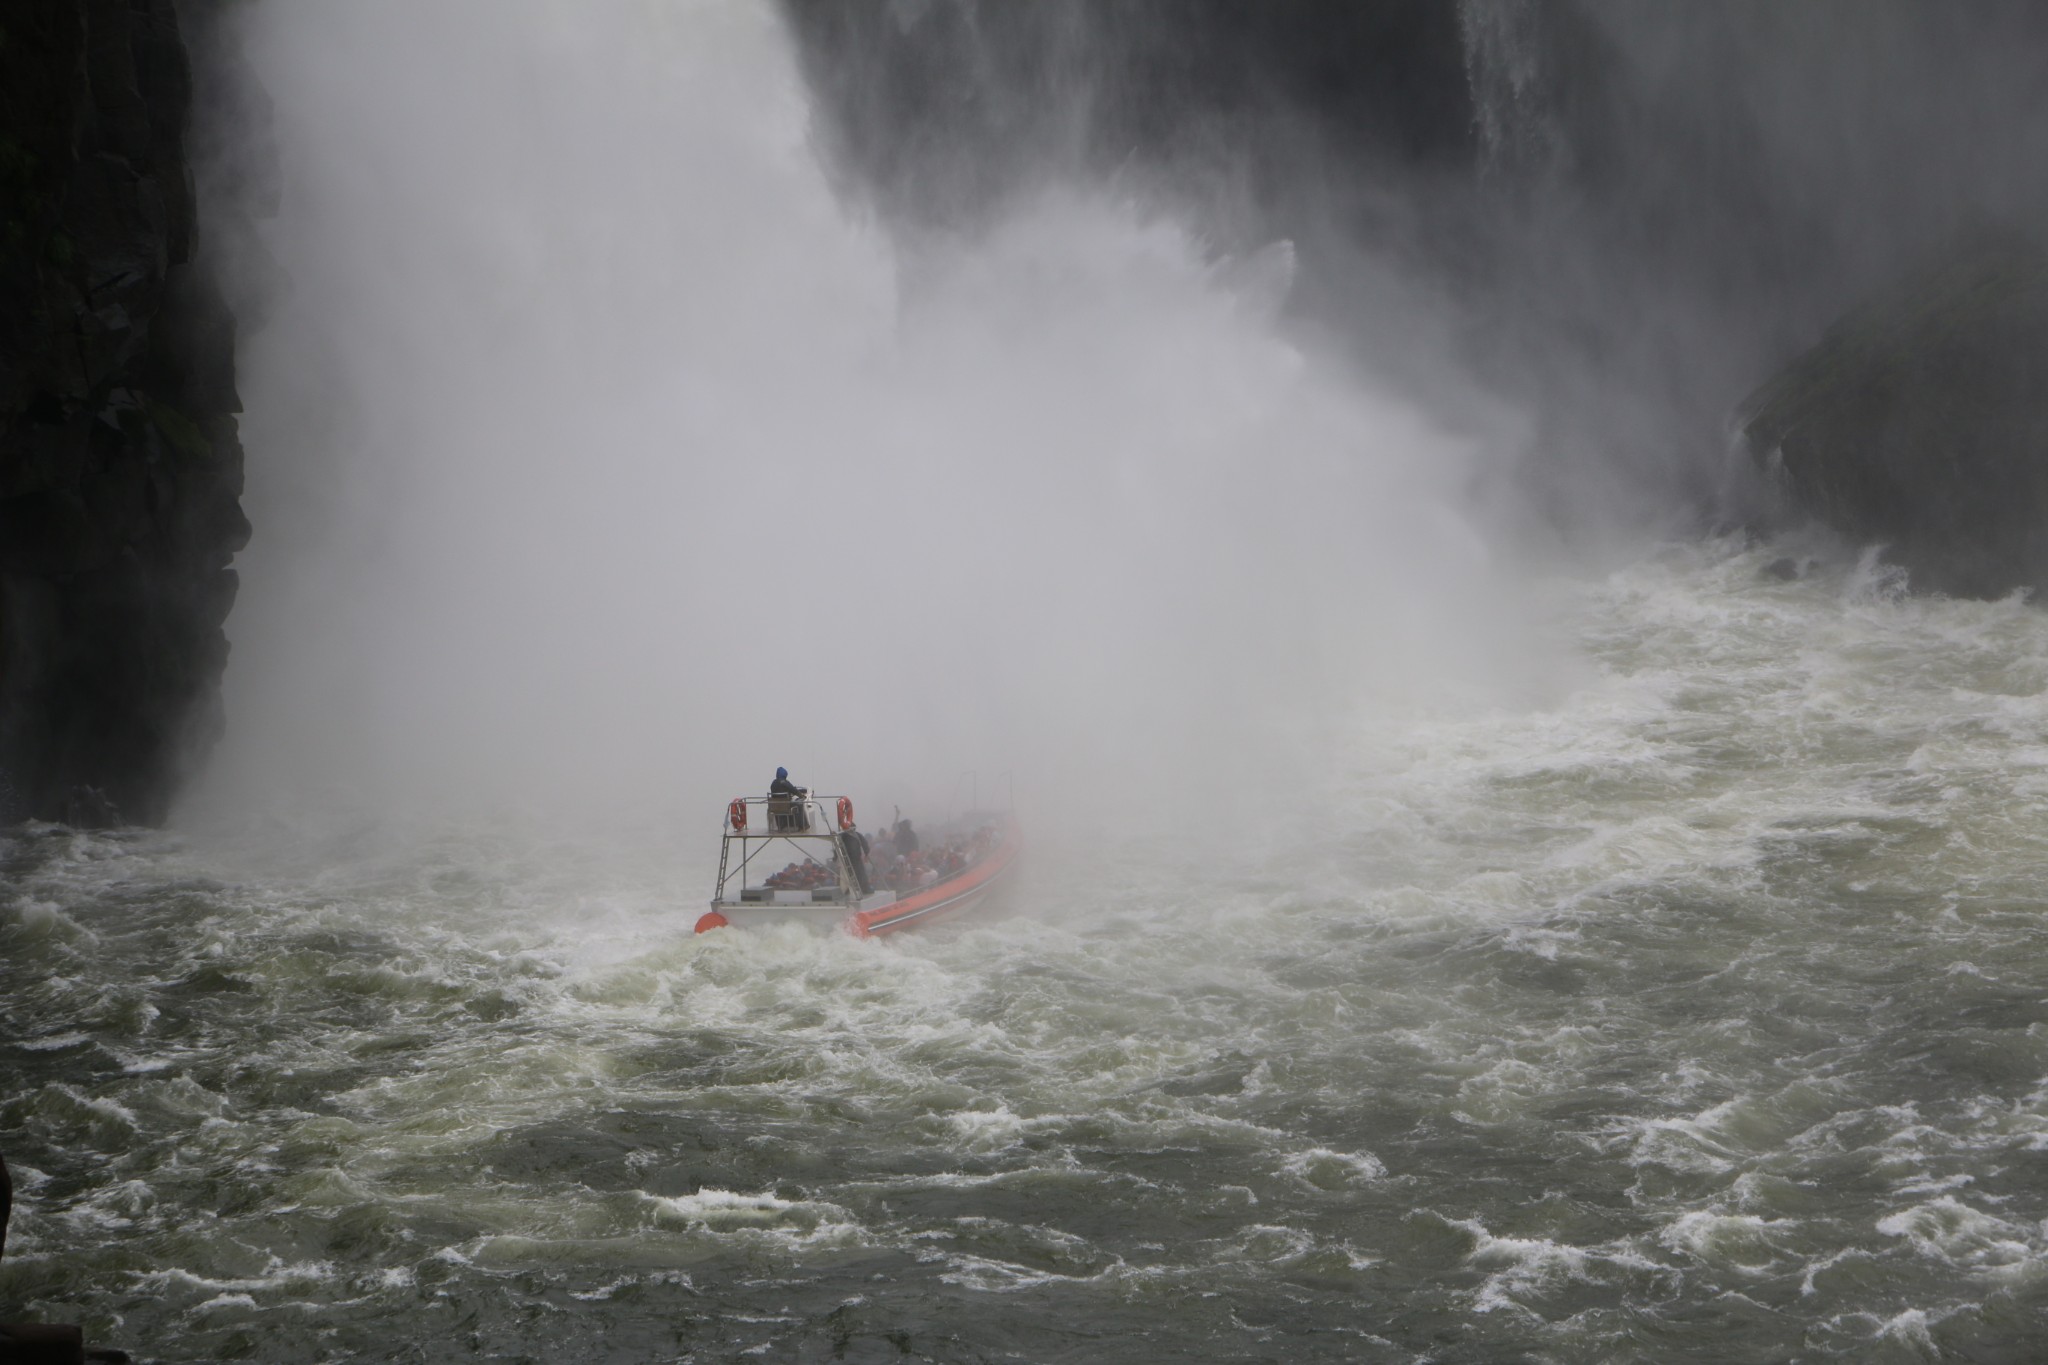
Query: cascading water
[1504,68]
[606,419]
[1429,958]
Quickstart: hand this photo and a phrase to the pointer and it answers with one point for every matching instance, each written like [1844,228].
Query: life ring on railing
[846,812]
[737,813]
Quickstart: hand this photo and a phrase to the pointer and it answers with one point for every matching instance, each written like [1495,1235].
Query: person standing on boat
[785,803]
[906,838]
[854,846]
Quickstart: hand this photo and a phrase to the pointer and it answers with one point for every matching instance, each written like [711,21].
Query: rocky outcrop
[1920,421]
[42,1343]
[1627,212]
[943,106]
[120,469]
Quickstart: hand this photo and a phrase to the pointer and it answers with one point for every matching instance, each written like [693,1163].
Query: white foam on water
[674,1279]
[278,1276]
[1911,1328]
[1744,1243]
[1326,1169]
[793,1222]
[1952,1231]
[1519,1267]
[54,1044]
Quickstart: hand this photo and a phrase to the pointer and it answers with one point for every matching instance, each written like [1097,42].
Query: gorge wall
[1629,213]
[120,468]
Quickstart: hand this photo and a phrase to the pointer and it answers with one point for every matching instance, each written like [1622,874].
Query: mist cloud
[605,455]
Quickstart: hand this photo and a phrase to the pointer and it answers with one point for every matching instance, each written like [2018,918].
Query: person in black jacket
[785,803]
[853,846]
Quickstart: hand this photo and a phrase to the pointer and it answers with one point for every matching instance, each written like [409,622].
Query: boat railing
[754,823]
[812,816]
[842,871]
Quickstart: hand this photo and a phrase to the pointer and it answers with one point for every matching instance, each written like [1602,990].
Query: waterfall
[621,450]
[1519,134]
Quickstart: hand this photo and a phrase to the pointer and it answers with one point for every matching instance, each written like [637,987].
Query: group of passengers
[803,876]
[896,858]
[902,865]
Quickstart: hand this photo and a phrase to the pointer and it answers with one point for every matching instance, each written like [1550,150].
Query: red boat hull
[943,898]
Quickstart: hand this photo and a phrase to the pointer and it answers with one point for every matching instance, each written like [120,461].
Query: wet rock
[120,471]
[1920,421]
[52,1343]
[931,104]
[89,808]
[42,1343]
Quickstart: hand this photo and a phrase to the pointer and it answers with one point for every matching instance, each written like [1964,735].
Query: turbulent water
[1399,971]
[1696,1014]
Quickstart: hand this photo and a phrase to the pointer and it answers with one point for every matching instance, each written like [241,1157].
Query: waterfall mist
[1686,197]
[1628,215]
[609,461]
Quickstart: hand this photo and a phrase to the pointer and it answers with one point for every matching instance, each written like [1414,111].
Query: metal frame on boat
[820,829]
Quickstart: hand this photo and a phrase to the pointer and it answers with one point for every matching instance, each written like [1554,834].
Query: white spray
[598,452]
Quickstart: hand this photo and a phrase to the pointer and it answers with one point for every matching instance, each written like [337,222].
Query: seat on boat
[787,813]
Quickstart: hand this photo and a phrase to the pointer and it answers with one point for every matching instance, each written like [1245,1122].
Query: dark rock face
[1627,213]
[120,469]
[943,105]
[1921,421]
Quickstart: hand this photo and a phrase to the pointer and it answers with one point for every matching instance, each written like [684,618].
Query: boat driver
[785,803]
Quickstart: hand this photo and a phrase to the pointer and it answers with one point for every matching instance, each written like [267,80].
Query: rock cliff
[943,106]
[1920,421]
[120,468]
[1623,214]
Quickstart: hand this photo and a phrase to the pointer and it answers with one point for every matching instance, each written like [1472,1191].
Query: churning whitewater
[1424,954]
[1693,1016]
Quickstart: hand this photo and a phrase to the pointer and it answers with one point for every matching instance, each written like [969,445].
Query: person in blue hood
[785,803]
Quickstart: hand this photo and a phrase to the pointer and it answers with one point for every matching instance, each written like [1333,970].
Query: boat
[832,877]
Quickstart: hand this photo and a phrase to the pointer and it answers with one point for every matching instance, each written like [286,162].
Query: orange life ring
[737,812]
[846,812]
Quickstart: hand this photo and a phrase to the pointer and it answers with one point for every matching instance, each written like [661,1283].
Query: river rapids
[1695,1014]
[1420,956]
